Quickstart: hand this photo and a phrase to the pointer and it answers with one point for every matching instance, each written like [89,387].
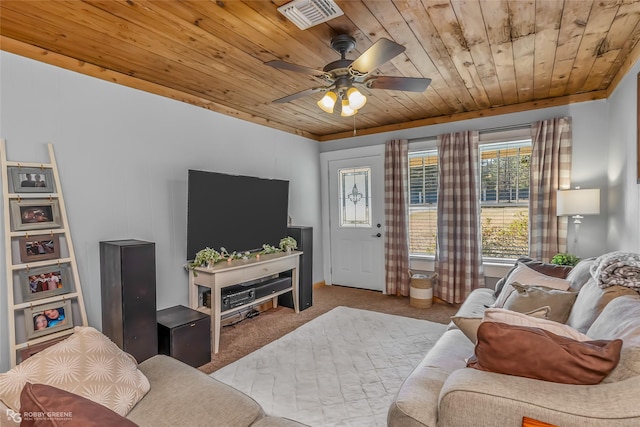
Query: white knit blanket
[617,268]
[341,369]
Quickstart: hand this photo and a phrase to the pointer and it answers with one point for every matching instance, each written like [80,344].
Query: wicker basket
[421,292]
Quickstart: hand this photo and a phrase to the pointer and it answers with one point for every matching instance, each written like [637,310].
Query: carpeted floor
[251,334]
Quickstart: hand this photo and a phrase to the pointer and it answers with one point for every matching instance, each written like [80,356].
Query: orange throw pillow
[535,353]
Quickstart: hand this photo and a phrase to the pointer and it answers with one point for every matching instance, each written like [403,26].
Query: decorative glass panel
[355,197]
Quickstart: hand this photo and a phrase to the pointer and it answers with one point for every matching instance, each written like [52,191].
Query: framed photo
[35,214]
[31,180]
[43,282]
[39,247]
[48,318]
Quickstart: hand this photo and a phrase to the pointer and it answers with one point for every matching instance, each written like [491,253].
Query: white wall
[623,228]
[589,159]
[123,157]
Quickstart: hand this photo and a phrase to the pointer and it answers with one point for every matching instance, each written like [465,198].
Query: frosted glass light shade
[578,202]
[356,99]
[347,111]
[327,102]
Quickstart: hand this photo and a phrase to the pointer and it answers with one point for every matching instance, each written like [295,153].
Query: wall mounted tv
[239,213]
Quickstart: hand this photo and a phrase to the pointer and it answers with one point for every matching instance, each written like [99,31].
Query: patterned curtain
[459,244]
[550,171]
[395,206]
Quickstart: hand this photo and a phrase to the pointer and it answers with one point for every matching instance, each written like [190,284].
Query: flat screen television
[239,213]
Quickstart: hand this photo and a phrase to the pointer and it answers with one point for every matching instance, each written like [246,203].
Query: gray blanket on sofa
[617,268]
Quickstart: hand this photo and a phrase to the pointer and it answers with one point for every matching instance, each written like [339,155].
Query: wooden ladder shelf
[35,217]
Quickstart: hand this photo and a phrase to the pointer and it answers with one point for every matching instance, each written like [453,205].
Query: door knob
[376,235]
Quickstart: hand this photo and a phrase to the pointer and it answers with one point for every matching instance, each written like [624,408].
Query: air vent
[307,13]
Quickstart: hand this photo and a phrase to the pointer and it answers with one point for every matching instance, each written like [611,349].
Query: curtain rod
[483,131]
[510,127]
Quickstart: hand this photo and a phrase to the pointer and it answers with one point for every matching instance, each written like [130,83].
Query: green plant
[268,249]
[288,243]
[207,256]
[565,259]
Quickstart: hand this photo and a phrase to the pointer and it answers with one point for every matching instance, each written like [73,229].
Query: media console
[232,273]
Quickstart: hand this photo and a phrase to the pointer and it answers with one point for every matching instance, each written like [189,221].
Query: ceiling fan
[344,74]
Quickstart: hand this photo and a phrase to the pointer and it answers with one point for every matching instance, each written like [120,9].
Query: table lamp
[577,203]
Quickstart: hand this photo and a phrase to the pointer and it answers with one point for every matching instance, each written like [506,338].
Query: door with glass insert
[356,207]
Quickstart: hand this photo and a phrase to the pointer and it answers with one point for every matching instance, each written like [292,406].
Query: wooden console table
[234,272]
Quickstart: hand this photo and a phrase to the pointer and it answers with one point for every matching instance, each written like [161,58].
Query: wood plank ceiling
[484,57]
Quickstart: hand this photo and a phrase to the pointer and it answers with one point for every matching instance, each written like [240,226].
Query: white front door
[356,215]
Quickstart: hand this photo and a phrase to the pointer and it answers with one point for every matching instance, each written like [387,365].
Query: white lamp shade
[578,202]
[347,111]
[356,99]
[327,102]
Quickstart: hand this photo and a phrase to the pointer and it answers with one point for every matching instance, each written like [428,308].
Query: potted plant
[565,259]
[205,258]
[288,244]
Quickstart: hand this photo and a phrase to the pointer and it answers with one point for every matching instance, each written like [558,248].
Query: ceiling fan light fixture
[328,101]
[356,99]
[347,111]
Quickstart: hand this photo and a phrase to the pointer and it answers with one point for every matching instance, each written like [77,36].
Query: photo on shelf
[39,247]
[35,214]
[48,318]
[31,180]
[43,282]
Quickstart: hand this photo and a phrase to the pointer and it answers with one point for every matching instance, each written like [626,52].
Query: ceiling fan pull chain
[354,125]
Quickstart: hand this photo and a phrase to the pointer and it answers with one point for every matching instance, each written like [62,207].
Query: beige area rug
[342,368]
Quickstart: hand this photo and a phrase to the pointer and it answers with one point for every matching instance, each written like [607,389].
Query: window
[423,198]
[504,199]
[355,197]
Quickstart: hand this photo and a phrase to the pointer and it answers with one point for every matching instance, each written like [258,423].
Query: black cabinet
[185,334]
[128,284]
[304,237]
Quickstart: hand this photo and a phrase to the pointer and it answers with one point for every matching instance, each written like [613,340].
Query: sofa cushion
[548,269]
[64,409]
[469,325]
[520,319]
[580,274]
[621,319]
[416,403]
[181,395]
[528,297]
[539,354]
[87,364]
[475,304]
[527,276]
[591,300]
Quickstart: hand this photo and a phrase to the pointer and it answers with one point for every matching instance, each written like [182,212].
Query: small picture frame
[39,247]
[31,180]
[46,319]
[35,214]
[43,282]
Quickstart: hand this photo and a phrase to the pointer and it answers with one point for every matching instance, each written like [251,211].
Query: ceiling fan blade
[299,95]
[282,65]
[380,52]
[409,84]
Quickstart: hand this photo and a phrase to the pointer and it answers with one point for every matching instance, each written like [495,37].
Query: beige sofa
[183,396]
[178,395]
[442,392]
